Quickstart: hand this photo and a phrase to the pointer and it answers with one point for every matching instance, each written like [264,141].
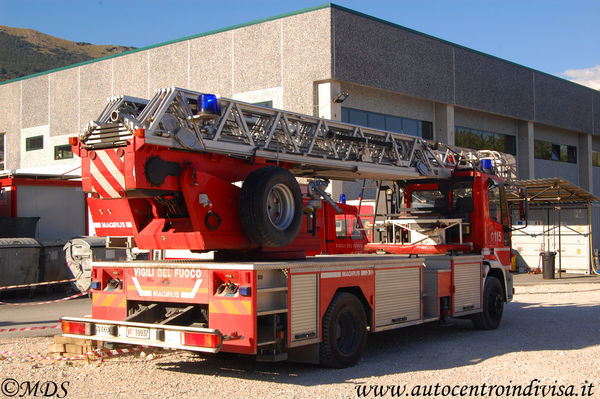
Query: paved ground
[524,279]
[40,315]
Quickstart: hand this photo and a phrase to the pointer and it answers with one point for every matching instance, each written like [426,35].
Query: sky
[560,37]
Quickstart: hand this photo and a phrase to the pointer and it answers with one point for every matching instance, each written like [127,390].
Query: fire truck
[188,170]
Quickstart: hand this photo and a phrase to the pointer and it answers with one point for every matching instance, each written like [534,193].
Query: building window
[62,152]
[265,104]
[34,143]
[596,158]
[2,146]
[555,152]
[391,123]
[482,140]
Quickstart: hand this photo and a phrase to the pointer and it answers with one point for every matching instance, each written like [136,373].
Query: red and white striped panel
[107,172]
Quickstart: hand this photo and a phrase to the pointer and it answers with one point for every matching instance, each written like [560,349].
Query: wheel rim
[280,206]
[495,310]
[346,336]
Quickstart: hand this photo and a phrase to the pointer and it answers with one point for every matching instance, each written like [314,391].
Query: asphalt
[523,279]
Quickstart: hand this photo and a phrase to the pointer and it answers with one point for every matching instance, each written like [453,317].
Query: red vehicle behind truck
[186,170]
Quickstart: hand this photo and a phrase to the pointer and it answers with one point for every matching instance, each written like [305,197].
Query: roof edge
[182,39]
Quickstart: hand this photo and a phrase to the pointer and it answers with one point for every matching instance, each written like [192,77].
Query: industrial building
[336,63]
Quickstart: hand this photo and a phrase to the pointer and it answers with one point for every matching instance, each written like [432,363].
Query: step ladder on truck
[187,170]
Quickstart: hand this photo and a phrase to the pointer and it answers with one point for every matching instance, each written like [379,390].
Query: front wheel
[344,332]
[493,305]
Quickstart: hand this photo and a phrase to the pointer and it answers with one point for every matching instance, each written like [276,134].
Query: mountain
[25,52]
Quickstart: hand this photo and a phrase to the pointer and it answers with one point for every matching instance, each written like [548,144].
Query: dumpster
[548,264]
[19,261]
[18,227]
[53,265]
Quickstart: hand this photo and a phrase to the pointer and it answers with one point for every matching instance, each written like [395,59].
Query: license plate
[135,332]
[105,330]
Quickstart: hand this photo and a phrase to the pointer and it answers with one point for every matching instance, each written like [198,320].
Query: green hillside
[25,52]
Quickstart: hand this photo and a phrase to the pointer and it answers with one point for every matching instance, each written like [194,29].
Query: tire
[271,207]
[493,305]
[344,332]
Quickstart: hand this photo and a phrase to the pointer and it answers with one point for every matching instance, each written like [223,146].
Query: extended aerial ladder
[191,138]
[313,146]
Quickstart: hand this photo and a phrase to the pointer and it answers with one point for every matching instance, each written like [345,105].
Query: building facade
[395,78]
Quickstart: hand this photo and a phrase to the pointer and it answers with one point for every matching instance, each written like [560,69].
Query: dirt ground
[548,345]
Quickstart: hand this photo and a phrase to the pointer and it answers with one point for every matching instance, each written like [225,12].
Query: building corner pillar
[443,124]
[525,150]
[584,160]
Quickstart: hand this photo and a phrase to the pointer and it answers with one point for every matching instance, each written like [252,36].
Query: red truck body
[266,292]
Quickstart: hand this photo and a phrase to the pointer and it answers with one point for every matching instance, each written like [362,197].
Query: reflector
[72,327]
[201,339]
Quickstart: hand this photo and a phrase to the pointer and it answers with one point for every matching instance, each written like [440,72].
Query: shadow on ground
[526,327]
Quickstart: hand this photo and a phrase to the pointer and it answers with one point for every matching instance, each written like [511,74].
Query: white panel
[467,284]
[61,210]
[542,235]
[304,305]
[397,296]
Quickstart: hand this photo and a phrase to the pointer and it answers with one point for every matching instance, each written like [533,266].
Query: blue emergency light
[485,164]
[342,198]
[208,105]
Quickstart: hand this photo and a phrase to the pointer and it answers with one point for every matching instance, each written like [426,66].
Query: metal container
[19,261]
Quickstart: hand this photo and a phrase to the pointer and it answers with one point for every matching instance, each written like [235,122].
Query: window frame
[30,141]
[62,147]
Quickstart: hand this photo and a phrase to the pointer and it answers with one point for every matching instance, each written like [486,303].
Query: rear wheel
[271,207]
[493,305]
[344,332]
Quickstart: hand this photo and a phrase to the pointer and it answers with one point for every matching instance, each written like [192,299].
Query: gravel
[550,336]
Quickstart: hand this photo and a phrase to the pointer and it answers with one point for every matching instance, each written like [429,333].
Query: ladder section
[313,146]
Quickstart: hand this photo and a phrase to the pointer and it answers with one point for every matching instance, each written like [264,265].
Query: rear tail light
[141,133]
[74,327]
[201,339]
[73,141]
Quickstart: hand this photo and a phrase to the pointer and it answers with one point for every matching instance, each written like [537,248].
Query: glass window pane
[345,117]
[409,126]
[358,117]
[393,123]
[510,144]
[462,137]
[376,121]
[34,143]
[542,149]
[427,130]
[555,152]
[571,154]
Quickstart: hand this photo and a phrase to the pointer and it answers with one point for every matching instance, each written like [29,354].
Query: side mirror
[523,205]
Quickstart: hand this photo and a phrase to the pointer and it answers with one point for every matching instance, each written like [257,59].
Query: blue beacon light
[208,106]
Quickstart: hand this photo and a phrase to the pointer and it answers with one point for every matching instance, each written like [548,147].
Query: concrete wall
[376,53]
[387,102]
[488,122]
[275,61]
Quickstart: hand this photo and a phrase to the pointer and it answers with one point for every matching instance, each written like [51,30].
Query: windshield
[428,200]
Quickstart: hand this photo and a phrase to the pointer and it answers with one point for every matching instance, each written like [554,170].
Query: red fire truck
[186,170]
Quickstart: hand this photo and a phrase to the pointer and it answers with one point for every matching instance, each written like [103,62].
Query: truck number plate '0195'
[104,330]
[135,332]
